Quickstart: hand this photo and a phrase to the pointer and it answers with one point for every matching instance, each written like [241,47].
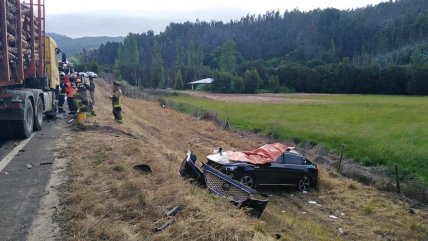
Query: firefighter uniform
[61,99]
[116,100]
[70,91]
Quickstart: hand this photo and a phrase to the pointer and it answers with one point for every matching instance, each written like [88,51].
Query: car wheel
[247,180]
[303,183]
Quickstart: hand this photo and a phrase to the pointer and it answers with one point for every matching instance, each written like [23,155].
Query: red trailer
[29,77]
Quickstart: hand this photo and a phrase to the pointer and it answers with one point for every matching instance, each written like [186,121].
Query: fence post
[340,160]
[396,179]
[227,125]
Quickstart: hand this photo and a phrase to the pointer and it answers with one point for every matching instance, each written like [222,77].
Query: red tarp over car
[262,155]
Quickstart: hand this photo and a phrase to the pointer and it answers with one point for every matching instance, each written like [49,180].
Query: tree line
[380,49]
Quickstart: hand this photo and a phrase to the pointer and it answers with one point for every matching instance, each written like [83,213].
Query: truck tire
[24,128]
[38,117]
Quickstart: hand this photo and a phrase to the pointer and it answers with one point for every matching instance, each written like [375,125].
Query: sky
[79,18]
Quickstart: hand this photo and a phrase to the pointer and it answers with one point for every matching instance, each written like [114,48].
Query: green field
[377,130]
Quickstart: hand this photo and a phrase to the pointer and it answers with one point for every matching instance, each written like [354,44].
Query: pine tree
[251,81]
[228,57]
[157,74]
[178,85]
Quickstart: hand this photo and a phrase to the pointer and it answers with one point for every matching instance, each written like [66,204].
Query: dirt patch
[107,199]
[100,128]
[257,98]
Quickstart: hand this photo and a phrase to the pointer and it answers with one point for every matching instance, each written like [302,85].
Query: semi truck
[29,75]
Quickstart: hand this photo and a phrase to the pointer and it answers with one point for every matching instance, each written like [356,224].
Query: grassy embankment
[377,130]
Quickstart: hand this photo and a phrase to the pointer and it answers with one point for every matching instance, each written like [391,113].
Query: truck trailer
[29,75]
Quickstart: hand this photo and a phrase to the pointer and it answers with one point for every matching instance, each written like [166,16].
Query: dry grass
[107,199]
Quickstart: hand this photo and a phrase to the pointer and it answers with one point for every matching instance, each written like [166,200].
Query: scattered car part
[45,163]
[164,226]
[173,211]
[188,169]
[234,191]
[143,169]
[223,185]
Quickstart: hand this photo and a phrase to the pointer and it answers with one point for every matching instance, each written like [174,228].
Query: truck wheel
[24,128]
[38,117]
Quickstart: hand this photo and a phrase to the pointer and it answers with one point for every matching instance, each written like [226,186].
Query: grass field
[376,130]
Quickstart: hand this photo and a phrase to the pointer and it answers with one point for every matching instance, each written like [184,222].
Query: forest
[381,49]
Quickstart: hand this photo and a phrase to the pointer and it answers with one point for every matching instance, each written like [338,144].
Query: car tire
[248,180]
[304,183]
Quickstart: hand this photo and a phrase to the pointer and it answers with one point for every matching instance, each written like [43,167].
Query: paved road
[22,188]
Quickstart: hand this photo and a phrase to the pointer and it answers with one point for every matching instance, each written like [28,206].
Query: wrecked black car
[269,165]
[223,186]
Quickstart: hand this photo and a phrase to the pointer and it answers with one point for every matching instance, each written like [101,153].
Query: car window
[293,159]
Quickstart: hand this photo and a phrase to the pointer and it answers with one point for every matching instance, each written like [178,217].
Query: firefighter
[116,101]
[78,96]
[70,91]
[61,94]
[92,89]
[81,98]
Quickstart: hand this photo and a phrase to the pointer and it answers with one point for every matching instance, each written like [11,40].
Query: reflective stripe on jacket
[117,98]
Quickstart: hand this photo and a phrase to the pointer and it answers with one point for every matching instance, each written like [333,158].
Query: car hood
[220,158]
[263,155]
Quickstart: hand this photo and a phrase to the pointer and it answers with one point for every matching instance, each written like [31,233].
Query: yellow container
[81,117]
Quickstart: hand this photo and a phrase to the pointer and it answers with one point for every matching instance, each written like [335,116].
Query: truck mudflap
[222,185]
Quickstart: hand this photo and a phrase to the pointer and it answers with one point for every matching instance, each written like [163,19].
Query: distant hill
[72,46]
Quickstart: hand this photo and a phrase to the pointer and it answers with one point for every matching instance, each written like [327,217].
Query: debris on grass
[143,169]
[164,226]
[173,211]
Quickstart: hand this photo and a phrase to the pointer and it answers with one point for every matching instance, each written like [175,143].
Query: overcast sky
[78,18]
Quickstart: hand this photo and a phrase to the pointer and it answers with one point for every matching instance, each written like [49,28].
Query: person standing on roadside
[70,91]
[92,89]
[61,100]
[116,101]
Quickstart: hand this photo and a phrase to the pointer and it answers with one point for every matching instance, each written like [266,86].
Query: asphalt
[23,181]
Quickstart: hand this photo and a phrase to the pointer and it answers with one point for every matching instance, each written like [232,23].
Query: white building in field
[201,82]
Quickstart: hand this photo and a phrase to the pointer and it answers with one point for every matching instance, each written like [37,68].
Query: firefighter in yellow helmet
[116,101]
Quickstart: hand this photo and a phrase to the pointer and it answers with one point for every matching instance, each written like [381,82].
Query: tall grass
[376,130]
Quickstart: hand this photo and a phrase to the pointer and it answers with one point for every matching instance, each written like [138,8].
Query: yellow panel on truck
[52,71]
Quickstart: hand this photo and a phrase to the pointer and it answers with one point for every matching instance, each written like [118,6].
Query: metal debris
[45,163]
[173,211]
[164,226]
